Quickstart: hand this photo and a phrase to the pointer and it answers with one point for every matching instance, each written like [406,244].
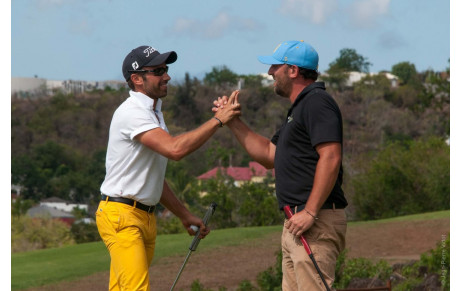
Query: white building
[354,77]
[267,79]
[61,204]
[38,86]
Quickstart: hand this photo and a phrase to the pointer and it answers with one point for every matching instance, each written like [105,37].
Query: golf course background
[74,263]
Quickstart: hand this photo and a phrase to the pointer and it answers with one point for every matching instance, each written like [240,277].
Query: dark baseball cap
[145,56]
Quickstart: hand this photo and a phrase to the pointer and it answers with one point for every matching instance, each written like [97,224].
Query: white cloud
[365,13]
[313,11]
[217,27]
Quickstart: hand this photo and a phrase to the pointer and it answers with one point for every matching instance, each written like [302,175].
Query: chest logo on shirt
[290,118]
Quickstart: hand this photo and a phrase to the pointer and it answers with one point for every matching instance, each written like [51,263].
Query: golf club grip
[287,210]
[196,240]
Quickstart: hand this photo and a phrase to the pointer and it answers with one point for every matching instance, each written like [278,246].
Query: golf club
[289,214]
[196,240]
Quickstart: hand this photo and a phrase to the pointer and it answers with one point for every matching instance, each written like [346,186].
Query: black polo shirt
[314,118]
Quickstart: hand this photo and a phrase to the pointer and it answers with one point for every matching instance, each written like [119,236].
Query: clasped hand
[222,110]
[299,223]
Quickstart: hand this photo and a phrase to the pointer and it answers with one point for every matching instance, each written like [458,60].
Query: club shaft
[289,214]
[181,269]
[196,240]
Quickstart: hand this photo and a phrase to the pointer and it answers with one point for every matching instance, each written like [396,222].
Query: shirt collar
[146,101]
[307,90]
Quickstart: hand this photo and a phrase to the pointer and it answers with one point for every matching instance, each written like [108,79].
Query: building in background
[38,87]
[255,173]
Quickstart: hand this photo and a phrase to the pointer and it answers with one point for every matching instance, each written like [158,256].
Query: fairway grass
[42,267]
[413,217]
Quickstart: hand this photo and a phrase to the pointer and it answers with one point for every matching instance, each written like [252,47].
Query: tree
[185,110]
[221,77]
[52,169]
[404,178]
[349,60]
[405,72]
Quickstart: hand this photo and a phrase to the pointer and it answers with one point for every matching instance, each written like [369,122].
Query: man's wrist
[311,214]
[220,121]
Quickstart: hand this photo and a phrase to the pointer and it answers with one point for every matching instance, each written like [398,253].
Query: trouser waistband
[130,202]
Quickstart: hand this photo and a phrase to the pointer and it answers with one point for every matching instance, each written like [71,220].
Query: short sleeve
[323,119]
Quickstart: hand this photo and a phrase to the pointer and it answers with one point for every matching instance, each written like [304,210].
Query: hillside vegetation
[394,141]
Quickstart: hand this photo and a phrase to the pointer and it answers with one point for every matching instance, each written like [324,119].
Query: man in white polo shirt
[137,154]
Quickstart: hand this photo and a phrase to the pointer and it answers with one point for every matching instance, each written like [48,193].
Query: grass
[42,267]
[422,216]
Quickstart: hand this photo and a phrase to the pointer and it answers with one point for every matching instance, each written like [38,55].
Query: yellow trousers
[129,234]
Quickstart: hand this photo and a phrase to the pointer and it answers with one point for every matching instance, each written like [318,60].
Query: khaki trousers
[326,239]
[129,234]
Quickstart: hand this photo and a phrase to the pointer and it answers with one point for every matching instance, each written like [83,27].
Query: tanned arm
[177,147]
[260,148]
[327,170]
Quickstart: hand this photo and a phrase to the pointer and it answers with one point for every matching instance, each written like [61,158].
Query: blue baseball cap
[293,52]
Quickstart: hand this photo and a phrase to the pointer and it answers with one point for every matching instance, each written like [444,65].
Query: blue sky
[88,39]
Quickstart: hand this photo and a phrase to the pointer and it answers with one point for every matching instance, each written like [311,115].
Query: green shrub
[438,261]
[85,232]
[271,279]
[38,233]
[361,268]
[197,286]
[169,225]
[408,284]
[246,285]
[404,178]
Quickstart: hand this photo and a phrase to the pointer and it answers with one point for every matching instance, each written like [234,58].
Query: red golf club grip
[287,210]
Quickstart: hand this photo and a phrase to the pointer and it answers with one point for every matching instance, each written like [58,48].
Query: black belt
[131,202]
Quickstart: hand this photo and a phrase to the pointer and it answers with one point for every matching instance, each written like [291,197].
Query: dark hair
[130,82]
[308,74]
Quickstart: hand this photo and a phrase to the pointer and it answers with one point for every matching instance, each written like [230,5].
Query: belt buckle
[151,207]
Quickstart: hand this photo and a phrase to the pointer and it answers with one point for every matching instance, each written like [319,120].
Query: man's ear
[137,79]
[293,71]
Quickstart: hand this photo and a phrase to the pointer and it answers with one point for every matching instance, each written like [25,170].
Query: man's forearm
[257,146]
[189,142]
[172,203]
[175,148]
[327,170]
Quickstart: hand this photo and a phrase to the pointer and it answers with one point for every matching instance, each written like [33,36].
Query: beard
[283,85]
[155,91]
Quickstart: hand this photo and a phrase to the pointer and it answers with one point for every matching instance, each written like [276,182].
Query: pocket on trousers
[313,234]
[108,217]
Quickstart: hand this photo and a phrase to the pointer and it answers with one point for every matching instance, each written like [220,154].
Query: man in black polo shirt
[306,153]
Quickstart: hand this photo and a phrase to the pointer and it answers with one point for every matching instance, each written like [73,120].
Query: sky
[88,39]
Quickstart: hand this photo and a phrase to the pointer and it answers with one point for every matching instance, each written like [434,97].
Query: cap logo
[149,51]
[277,48]
[135,65]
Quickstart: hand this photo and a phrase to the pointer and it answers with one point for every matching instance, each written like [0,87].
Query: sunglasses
[156,72]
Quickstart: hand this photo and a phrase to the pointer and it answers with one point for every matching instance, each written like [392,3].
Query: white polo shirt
[133,170]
